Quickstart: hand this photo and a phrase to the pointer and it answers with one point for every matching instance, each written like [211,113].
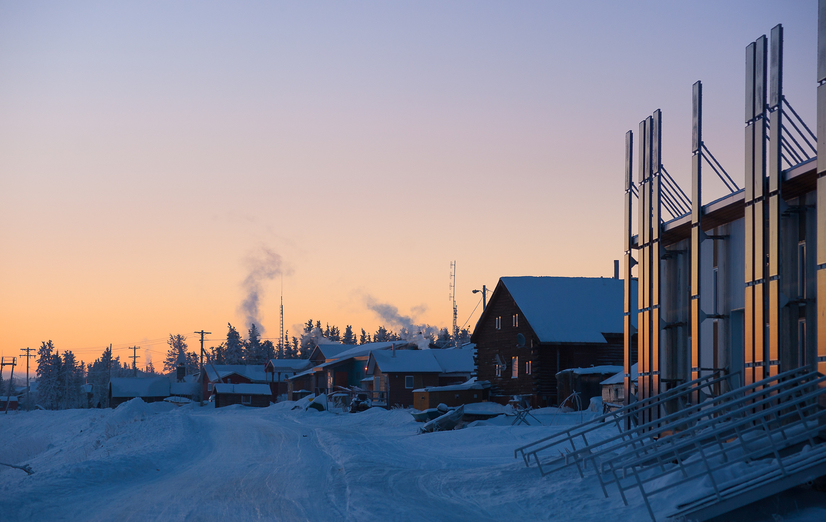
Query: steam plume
[262,266]
[409,330]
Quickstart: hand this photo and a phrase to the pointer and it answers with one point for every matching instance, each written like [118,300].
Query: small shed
[587,382]
[149,389]
[456,395]
[255,395]
[613,388]
[11,401]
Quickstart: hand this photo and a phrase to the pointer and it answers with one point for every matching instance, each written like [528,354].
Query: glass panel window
[515,320]
[408,382]
[514,367]
[499,323]
[528,368]
[498,370]
[246,399]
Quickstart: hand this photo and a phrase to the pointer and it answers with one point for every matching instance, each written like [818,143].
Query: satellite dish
[520,340]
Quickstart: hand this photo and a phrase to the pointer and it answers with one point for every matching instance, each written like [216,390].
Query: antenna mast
[453,298]
[281,331]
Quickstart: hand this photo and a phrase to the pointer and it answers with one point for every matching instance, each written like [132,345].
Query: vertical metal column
[696,231]
[656,166]
[643,340]
[821,187]
[775,197]
[628,260]
[760,232]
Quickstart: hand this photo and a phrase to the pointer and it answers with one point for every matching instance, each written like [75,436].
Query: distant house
[613,388]
[278,370]
[11,401]
[468,392]
[396,373]
[535,327]
[255,395]
[232,374]
[337,365]
[149,389]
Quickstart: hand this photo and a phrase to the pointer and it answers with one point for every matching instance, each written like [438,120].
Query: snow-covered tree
[349,337]
[177,349]
[234,347]
[47,375]
[98,375]
[253,348]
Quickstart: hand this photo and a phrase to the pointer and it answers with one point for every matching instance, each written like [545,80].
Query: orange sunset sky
[153,153]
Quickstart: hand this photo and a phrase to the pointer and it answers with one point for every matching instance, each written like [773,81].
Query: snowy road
[149,462]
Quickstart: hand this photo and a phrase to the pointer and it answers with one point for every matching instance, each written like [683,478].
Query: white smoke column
[419,334]
[314,337]
[263,266]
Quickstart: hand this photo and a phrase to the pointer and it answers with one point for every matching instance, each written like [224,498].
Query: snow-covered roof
[365,349]
[619,377]
[605,370]
[330,350]
[454,361]
[253,372]
[183,388]
[86,388]
[571,309]
[5,398]
[306,372]
[140,386]
[242,389]
[288,365]
[472,384]
[404,361]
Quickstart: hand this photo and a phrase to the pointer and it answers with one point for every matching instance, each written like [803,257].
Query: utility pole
[27,356]
[3,363]
[134,358]
[484,291]
[201,370]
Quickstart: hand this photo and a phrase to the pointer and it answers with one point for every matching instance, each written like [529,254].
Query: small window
[498,370]
[801,270]
[515,320]
[408,382]
[209,386]
[514,367]
[528,368]
[499,323]
[246,399]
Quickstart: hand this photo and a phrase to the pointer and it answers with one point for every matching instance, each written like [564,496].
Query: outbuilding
[255,395]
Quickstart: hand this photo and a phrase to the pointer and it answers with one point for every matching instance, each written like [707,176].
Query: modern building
[735,286]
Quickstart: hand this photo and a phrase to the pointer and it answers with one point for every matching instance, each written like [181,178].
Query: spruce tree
[234,348]
[349,336]
[177,346]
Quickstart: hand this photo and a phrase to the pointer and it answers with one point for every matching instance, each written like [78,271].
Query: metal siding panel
[696,188]
[656,141]
[759,164]
[627,232]
[695,337]
[655,275]
[774,151]
[760,76]
[749,164]
[645,203]
[774,323]
[750,82]
[759,252]
[655,351]
[821,313]
[776,66]
[696,116]
[748,337]
[774,236]
[749,244]
[641,153]
[656,208]
[626,283]
[759,331]
[695,262]
[821,41]
[821,128]
[821,222]
[629,157]
[649,140]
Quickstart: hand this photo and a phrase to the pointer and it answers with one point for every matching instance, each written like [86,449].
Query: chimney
[616,268]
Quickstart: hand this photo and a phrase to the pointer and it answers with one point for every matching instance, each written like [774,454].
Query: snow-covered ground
[162,462]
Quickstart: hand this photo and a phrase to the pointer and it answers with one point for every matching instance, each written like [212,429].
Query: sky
[164,163]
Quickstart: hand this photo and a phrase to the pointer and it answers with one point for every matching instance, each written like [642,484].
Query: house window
[209,386]
[515,320]
[514,367]
[498,370]
[408,382]
[528,368]
[246,399]
[801,270]
[499,323]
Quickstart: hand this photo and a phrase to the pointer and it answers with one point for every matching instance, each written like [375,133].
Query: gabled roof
[288,365]
[619,378]
[569,309]
[140,386]
[242,389]
[329,350]
[422,361]
[254,372]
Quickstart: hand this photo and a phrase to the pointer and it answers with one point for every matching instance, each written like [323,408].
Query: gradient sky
[151,152]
